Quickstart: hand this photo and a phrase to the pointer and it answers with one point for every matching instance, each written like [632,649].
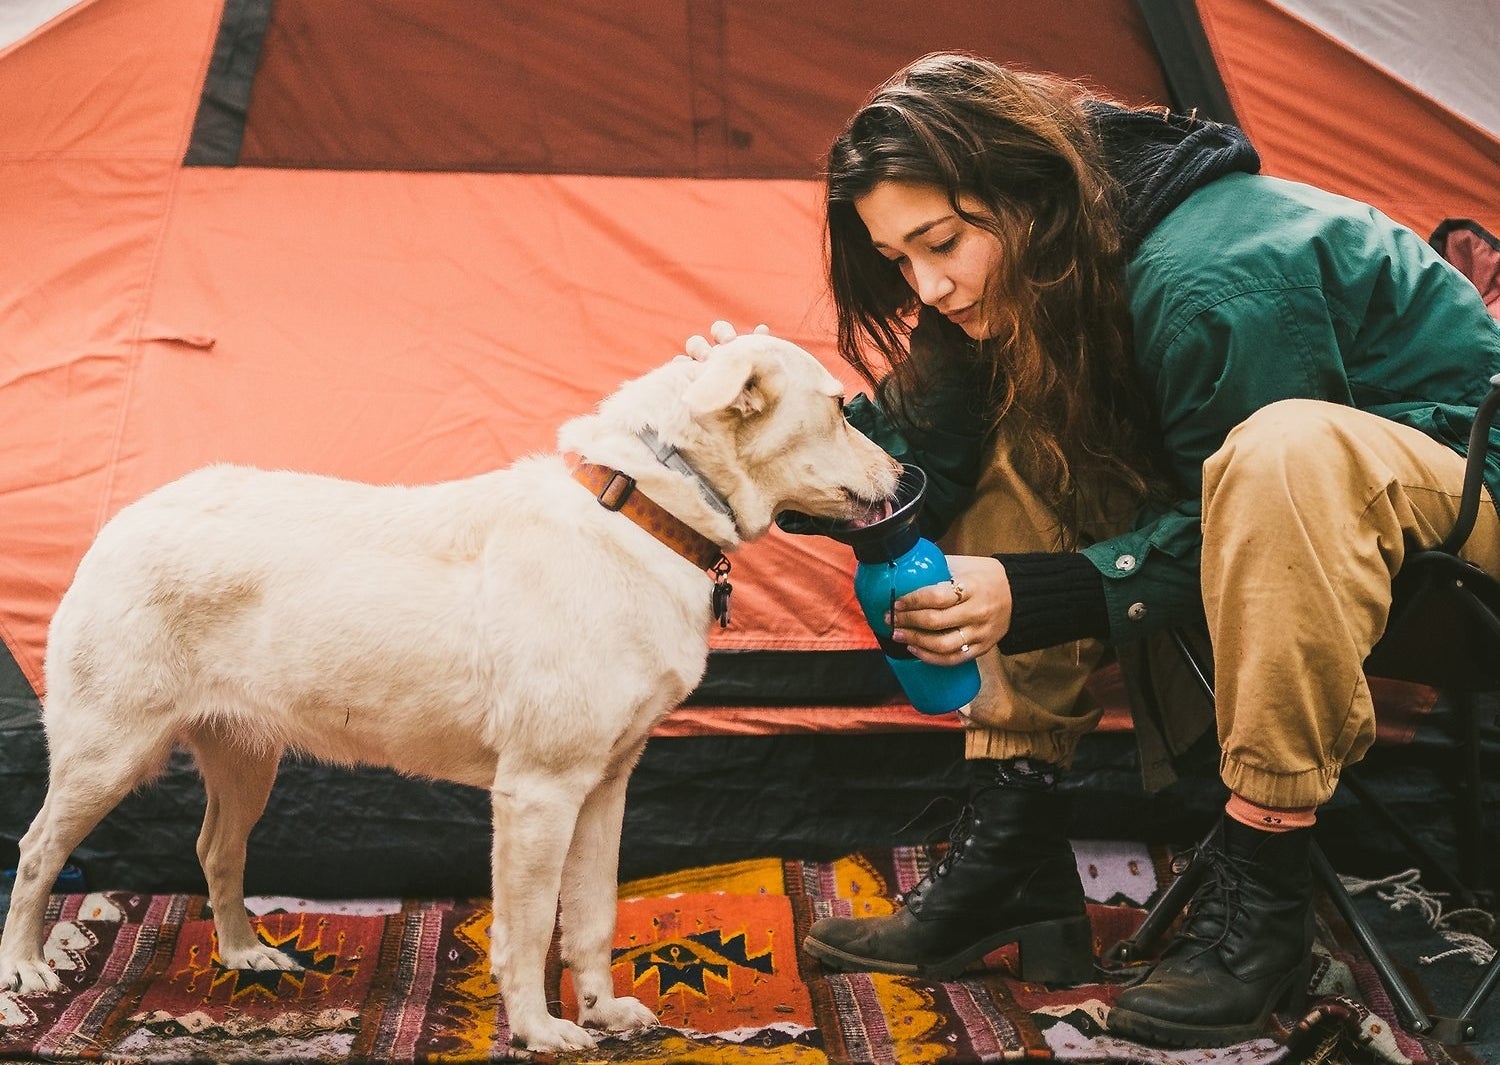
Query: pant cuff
[1287,791]
[1054,747]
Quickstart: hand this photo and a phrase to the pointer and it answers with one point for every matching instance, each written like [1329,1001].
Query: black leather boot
[1009,877]
[1244,948]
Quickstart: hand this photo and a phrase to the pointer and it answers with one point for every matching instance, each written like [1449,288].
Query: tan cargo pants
[1309,509]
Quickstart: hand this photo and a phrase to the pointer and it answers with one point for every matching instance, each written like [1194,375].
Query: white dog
[510,631]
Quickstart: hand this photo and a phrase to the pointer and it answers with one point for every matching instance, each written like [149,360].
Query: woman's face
[947,261]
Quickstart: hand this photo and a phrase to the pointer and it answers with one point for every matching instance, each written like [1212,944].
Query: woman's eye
[947,245]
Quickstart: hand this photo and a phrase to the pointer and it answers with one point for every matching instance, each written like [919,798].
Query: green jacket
[1254,290]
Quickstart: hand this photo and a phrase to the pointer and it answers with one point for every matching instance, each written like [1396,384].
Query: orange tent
[403,240]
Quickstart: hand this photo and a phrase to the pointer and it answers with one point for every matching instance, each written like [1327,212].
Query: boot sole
[1051,952]
[1290,995]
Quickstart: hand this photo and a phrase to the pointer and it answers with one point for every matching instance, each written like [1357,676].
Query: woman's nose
[931,283]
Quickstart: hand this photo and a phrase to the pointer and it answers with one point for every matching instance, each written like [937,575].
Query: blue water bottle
[894,558]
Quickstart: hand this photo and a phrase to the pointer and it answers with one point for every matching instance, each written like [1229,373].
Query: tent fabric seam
[7,158]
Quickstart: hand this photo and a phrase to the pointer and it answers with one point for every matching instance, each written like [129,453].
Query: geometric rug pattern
[714,951]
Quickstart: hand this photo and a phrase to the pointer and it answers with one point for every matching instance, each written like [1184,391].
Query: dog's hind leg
[534,812]
[91,770]
[589,899]
[237,781]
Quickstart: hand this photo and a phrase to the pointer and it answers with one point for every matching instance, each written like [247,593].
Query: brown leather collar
[616,491]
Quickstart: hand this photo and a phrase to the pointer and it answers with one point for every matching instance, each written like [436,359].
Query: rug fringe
[1404,890]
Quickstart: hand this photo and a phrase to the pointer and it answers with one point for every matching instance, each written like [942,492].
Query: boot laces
[958,832]
[1218,903]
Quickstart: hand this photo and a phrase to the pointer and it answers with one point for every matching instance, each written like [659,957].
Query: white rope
[1402,890]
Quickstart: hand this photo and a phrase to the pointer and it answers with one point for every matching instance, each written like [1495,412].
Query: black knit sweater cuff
[1056,597]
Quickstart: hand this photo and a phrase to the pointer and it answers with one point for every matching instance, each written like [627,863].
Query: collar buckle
[616,491]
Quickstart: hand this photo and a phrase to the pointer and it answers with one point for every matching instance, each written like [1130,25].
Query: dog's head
[765,427]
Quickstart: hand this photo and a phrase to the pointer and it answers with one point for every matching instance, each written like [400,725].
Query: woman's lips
[961,315]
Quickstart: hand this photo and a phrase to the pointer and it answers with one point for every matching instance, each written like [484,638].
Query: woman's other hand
[957,620]
[721,332]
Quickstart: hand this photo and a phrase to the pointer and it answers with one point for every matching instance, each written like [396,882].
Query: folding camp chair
[1443,631]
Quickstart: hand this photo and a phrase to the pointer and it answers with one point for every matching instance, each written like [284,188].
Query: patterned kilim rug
[713,951]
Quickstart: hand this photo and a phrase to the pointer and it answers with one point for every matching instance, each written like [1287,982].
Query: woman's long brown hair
[1058,369]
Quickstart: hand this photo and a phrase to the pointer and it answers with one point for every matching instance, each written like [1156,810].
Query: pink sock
[1270,818]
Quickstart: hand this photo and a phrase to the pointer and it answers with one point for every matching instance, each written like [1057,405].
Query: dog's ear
[729,381]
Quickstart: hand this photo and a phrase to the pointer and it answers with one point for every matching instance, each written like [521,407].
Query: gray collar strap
[669,457]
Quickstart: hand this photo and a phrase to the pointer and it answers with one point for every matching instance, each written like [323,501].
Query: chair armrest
[1479,446]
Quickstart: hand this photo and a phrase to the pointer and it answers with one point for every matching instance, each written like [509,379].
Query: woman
[1152,390]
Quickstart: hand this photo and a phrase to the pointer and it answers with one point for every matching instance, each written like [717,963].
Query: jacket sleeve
[1211,366]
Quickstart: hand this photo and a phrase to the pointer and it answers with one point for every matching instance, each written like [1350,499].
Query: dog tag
[719,601]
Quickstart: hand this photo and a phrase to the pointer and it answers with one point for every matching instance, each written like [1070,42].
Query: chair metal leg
[1161,915]
[1464,1028]
[1471,802]
[1413,1016]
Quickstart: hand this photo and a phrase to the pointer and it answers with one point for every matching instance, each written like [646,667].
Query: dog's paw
[28,977]
[260,957]
[617,1015]
[549,1034]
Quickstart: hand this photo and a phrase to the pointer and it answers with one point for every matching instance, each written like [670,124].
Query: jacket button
[1125,563]
[1135,611]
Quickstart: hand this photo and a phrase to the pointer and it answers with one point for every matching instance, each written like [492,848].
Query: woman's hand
[722,333]
[957,620]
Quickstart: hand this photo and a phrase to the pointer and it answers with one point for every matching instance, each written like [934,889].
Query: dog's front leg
[589,895]
[44,849]
[92,769]
[532,813]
